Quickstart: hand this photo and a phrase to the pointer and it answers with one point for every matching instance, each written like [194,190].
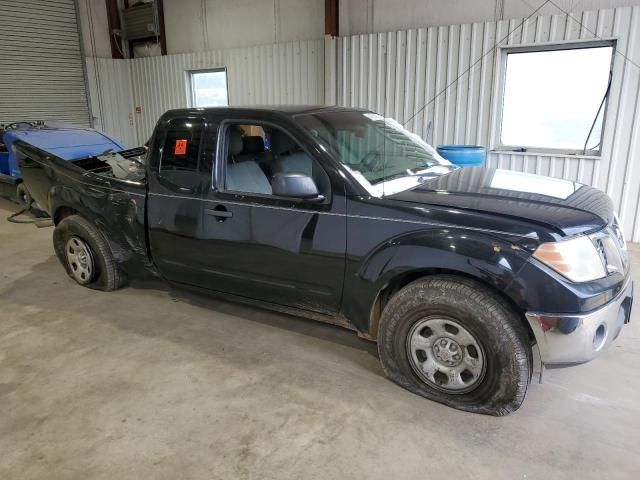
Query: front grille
[617,232]
[612,249]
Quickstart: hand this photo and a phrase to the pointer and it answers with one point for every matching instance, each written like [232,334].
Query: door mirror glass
[295,185]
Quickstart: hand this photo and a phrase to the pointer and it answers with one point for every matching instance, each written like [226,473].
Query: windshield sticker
[181,147]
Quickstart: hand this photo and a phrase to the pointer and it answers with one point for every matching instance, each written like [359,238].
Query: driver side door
[287,251]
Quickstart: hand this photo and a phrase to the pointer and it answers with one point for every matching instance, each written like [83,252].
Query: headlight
[576,259]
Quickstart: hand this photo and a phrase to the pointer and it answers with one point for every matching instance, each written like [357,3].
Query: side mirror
[295,185]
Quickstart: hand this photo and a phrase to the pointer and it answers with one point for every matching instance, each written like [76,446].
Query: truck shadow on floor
[290,322]
[141,307]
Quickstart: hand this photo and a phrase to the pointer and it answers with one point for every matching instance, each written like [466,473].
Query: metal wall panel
[443,82]
[109,82]
[283,73]
[41,71]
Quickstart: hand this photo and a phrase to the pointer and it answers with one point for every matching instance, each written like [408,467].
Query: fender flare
[60,196]
[486,258]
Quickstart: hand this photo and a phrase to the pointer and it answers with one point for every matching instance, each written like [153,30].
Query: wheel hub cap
[447,351]
[445,355]
[80,260]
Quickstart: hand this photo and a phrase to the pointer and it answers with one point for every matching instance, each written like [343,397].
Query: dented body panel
[116,206]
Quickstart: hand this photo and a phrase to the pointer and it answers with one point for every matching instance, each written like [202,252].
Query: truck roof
[281,109]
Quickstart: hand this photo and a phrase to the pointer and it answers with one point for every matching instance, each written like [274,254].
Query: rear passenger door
[176,182]
[255,244]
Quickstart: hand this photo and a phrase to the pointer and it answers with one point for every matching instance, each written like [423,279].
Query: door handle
[220,211]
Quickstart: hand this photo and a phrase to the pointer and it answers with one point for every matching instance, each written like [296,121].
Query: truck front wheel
[453,340]
[86,255]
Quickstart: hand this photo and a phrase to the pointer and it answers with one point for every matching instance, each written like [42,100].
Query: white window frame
[189,82]
[501,74]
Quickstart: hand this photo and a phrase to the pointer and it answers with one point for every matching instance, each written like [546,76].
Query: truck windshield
[380,154]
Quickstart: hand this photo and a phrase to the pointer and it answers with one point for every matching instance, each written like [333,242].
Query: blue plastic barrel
[4,163]
[463,155]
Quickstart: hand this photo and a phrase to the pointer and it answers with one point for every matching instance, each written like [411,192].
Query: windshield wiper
[394,176]
[422,169]
[406,173]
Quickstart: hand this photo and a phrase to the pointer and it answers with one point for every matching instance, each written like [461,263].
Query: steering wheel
[371,160]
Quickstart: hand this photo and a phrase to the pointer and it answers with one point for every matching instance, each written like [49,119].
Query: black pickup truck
[344,216]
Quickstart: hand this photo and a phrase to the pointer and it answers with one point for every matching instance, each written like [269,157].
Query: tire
[23,197]
[454,341]
[78,242]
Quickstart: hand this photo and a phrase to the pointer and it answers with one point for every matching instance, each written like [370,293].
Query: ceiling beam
[331,18]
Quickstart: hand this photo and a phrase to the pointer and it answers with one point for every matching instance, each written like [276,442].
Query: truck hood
[567,207]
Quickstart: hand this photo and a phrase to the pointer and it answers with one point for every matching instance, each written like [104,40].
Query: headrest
[253,144]
[235,142]
[281,142]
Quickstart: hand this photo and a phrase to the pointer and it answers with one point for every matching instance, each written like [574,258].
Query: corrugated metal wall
[287,73]
[112,98]
[283,73]
[397,73]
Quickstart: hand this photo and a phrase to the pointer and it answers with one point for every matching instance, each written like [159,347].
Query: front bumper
[577,338]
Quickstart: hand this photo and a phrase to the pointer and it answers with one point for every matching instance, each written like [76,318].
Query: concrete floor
[148,382]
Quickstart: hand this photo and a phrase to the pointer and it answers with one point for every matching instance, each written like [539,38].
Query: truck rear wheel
[452,340]
[86,255]
[23,197]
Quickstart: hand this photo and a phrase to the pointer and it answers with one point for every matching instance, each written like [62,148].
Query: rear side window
[181,153]
[182,145]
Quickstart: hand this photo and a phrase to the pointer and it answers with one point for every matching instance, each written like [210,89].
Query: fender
[484,257]
[118,209]
[119,215]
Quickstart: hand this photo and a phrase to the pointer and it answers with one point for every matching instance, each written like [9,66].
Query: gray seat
[253,148]
[236,145]
[247,177]
[291,159]
[288,159]
[244,175]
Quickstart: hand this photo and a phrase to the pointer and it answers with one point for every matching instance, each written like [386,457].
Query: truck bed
[126,165]
[109,188]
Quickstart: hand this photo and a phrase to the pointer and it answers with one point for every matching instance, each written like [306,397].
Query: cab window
[181,152]
[257,152]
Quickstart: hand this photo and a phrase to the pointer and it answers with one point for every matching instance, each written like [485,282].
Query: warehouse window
[209,88]
[555,99]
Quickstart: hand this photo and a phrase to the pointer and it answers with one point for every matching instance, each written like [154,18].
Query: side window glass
[180,153]
[256,153]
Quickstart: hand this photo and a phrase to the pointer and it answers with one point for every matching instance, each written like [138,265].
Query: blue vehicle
[65,141]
